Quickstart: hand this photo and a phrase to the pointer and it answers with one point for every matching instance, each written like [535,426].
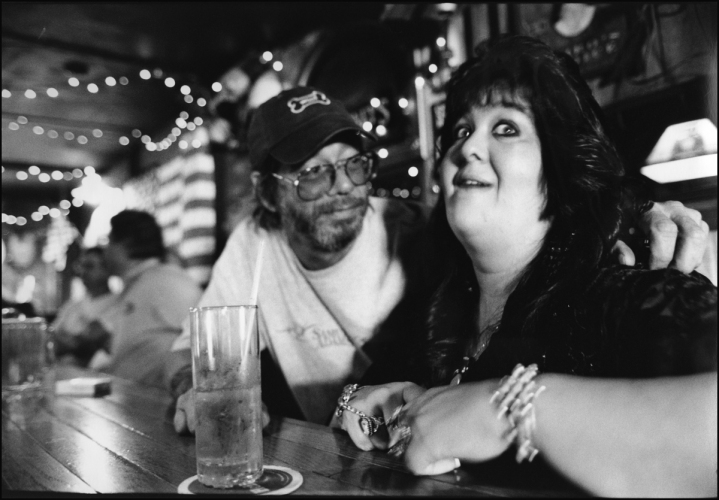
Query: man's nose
[343,184]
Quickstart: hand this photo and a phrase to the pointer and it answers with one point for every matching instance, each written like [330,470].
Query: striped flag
[181,196]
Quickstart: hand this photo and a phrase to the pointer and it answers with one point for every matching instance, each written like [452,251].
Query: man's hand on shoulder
[677,236]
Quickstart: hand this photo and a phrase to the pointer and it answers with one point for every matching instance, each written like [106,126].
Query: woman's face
[491,174]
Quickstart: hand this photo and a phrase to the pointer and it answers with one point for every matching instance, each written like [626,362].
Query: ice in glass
[228,401]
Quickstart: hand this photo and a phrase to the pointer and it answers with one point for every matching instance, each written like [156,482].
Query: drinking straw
[253,296]
[210,325]
[256,275]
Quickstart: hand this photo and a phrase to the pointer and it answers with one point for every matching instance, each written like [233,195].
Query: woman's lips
[466,181]
[471,183]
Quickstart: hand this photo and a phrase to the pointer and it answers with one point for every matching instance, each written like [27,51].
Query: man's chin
[339,237]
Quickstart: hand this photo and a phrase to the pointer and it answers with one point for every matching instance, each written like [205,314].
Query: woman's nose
[474,147]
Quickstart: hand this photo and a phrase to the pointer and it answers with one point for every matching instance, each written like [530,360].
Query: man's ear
[256,178]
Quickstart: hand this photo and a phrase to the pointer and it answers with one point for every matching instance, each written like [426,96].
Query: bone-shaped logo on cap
[299,104]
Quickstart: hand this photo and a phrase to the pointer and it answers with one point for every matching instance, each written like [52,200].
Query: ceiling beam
[92,51]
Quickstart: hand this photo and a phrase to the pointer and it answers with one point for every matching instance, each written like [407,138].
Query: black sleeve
[395,348]
[659,323]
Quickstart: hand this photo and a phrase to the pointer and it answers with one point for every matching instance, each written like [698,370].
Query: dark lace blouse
[627,322]
[620,322]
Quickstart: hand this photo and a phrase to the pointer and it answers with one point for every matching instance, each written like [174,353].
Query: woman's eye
[461,132]
[505,129]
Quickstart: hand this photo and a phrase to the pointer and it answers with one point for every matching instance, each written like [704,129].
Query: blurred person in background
[75,335]
[140,327]
[338,291]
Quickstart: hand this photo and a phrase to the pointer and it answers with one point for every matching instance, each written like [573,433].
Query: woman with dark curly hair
[609,371]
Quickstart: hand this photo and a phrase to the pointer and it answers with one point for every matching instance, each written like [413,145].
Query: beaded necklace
[484,338]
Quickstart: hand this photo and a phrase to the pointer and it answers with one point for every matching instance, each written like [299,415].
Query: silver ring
[393,421]
[369,425]
[401,446]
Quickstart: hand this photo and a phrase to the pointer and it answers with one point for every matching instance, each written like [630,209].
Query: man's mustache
[336,206]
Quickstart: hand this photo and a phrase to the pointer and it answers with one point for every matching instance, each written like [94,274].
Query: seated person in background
[73,334]
[147,316]
[337,292]
[620,395]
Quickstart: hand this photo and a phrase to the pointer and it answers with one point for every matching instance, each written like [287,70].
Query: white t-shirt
[74,316]
[315,322]
[147,318]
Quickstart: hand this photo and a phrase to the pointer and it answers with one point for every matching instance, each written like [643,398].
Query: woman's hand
[455,422]
[376,401]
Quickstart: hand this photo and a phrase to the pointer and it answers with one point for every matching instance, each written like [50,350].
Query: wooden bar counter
[125,442]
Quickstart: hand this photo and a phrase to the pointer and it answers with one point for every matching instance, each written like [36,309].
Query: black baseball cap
[294,124]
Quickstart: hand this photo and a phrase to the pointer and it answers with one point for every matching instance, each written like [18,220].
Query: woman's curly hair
[581,177]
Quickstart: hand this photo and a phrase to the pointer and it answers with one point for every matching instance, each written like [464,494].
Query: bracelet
[515,398]
[347,392]
[368,424]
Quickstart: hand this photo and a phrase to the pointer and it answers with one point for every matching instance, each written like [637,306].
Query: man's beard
[327,236]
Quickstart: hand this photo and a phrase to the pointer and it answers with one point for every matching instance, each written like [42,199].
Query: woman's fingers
[439,467]
[376,405]
[412,392]
[353,428]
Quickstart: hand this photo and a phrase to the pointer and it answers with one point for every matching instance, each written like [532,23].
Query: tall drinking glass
[228,402]
[27,356]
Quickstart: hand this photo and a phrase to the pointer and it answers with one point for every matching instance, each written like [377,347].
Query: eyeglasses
[312,182]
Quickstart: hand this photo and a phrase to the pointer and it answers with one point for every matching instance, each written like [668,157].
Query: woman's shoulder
[657,321]
[652,286]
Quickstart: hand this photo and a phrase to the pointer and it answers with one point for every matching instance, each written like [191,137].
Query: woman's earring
[557,254]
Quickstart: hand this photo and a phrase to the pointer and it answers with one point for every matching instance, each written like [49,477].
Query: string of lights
[183,123]
[182,120]
[55,175]
[89,180]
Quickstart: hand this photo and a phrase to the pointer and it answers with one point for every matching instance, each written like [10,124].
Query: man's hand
[185,413]
[677,237]
[95,335]
[185,420]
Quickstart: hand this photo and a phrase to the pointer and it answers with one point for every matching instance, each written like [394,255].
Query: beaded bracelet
[515,398]
[347,392]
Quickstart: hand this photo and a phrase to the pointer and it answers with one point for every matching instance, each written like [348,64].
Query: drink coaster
[275,480]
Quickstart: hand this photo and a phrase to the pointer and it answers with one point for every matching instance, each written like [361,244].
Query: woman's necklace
[484,338]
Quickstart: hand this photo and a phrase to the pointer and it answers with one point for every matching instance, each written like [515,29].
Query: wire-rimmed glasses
[314,181]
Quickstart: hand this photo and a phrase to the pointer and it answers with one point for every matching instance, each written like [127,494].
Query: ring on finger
[400,446]
[368,423]
[393,421]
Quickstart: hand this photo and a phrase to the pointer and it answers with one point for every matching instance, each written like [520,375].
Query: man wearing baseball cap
[334,266]
[337,286]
